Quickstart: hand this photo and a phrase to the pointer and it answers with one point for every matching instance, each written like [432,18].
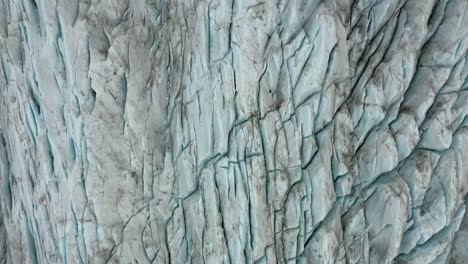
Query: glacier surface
[233,131]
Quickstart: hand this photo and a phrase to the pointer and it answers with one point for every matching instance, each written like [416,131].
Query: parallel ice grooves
[229,131]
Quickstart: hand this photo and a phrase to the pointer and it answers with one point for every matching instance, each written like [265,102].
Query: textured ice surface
[233,131]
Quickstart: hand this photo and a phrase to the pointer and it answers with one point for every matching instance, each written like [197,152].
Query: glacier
[233,131]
